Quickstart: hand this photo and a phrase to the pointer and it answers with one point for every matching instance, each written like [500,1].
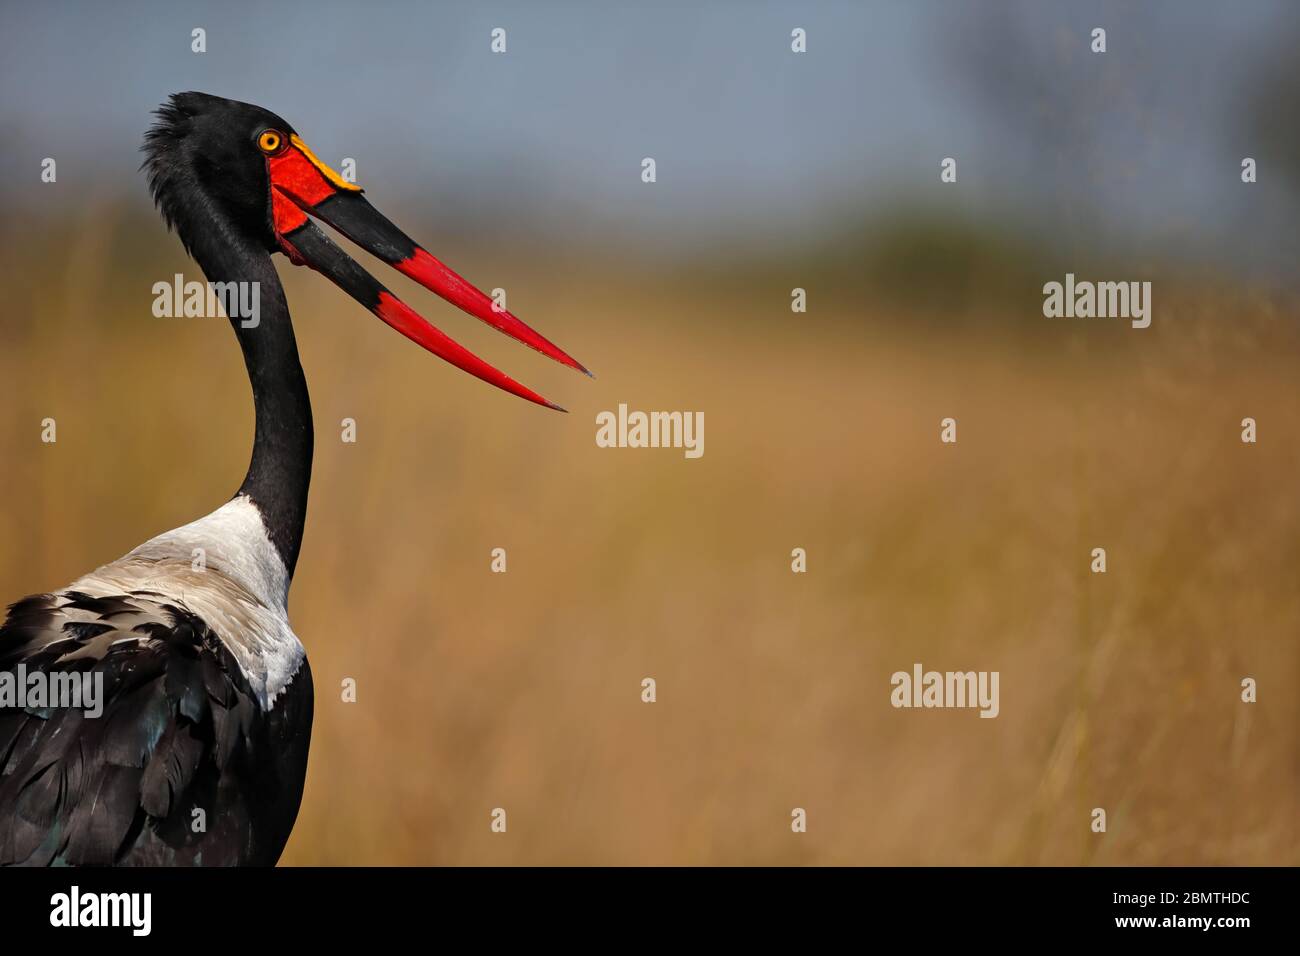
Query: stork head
[217,165]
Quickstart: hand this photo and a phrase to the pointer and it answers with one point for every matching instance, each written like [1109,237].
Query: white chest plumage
[223,568]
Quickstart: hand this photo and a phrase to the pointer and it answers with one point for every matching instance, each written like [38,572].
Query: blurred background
[775,170]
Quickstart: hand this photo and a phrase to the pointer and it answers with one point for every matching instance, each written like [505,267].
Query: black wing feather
[181,731]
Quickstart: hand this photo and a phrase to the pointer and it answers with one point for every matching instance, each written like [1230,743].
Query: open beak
[302,184]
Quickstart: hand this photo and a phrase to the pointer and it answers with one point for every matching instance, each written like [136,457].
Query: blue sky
[753,143]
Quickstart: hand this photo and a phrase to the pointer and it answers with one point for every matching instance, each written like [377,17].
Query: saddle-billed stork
[199,751]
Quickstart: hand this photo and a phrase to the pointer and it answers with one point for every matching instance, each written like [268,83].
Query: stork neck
[280,470]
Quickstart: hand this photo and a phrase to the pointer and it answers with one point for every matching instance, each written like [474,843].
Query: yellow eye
[270,141]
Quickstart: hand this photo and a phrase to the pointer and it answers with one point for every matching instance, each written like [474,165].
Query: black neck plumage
[280,470]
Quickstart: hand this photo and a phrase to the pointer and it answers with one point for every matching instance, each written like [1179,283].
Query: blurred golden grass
[479,690]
